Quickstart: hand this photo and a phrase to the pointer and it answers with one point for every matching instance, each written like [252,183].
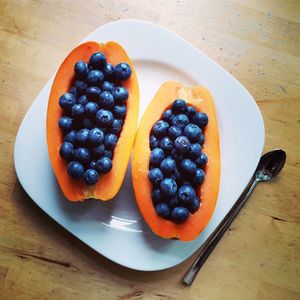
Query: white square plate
[115,228]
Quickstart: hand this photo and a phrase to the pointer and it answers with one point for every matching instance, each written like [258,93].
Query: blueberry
[108,154]
[156,196]
[182,144]
[120,94]
[175,154]
[186,195]
[97,60]
[73,91]
[108,71]
[156,156]
[160,128]
[154,142]
[168,115]
[190,111]
[168,187]
[119,111]
[201,139]
[98,151]
[155,175]
[192,132]
[200,119]
[66,150]
[83,100]
[82,136]
[168,166]
[198,176]
[194,206]
[107,86]
[65,124]
[70,137]
[179,214]
[95,78]
[95,136]
[188,166]
[82,155]
[195,150]
[66,101]
[92,165]
[202,160]
[122,71]
[174,132]
[88,123]
[180,121]
[116,126]
[104,165]
[90,176]
[77,110]
[176,175]
[162,209]
[91,109]
[166,144]
[81,69]
[104,117]
[178,106]
[106,100]
[173,202]
[75,169]
[93,93]
[110,141]
[80,86]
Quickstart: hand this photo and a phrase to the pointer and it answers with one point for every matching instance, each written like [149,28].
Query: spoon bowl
[270,165]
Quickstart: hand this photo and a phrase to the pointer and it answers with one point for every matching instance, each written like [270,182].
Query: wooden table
[258,41]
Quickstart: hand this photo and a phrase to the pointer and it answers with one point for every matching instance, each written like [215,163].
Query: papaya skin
[201,100]
[109,184]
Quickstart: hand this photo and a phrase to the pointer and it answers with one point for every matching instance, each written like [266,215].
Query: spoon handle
[215,237]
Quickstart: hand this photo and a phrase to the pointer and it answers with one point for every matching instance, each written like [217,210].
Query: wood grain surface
[258,41]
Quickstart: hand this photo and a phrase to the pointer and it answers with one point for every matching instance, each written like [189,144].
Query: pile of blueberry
[93,115]
[177,161]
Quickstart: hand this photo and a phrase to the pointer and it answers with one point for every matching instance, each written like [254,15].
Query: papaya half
[108,184]
[199,98]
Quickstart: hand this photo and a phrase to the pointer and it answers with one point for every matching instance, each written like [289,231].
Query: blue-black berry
[90,176]
[162,209]
[168,166]
[66,150]
[104,117]
[160,128]
[66,101]
[104,165]
[179,214]
[120,94]
[95,136]
[81,69]
[82,136]
[75,169]
[168,187]
[122,71]
[98,60]
[156,156]
[93,93]
[65,123]
[178,106]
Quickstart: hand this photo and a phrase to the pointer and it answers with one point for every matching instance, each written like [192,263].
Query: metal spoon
[268,167]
